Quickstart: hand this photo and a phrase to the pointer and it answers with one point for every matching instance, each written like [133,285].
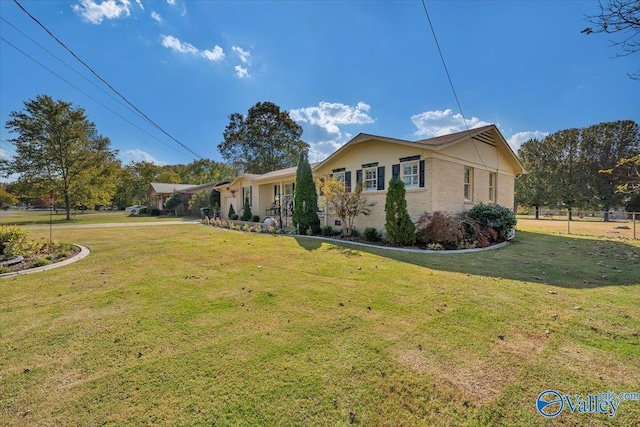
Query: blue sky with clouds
[339,68]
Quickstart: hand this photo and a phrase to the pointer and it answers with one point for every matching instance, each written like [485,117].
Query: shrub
[232,212]
[246,211]
[499,218]
[305,197]
[477,234]
[39,262]
[246,227]
[440,228]
[398,225]
[633,205]
[271,229]
[327,230]
[371,234]
[4,269]
[255,218]
[13,241]
[435,247]
[355,233]
[154,212]
[256,228]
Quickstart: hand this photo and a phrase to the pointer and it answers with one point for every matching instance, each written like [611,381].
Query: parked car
[135,209]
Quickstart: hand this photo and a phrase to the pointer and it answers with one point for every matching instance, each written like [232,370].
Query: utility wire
[104,81]
[453,89]
[90,97]
[69,66]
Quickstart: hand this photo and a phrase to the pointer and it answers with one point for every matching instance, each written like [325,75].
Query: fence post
[633,216]
[569,222]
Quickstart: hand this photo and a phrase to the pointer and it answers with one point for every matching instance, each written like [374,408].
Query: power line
[69,66]
[89,96]
[104,81]
[453,89]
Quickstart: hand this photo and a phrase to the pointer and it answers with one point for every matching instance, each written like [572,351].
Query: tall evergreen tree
[398,225]
[305,198]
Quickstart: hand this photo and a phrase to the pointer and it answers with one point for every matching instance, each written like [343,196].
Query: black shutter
[395,172]
[359,177]
[275,192]
[243,196]
[421,173]
[380,177]
[251,195]
[347,180]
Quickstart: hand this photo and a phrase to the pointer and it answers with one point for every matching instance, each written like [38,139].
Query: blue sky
[339,68]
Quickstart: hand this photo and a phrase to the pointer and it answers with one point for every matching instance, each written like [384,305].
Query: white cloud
[244,55]
[156,16]
[140,4]
[519,138]
[437,123]
[94,12]
[173,43]
[215,54]
[137,155]
[241,72]
[328,115]
[171,2]
[176,45]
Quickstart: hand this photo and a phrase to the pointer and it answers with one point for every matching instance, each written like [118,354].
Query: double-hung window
[410,174]
[371,179]
[492,187]
[468,181]
[339,176]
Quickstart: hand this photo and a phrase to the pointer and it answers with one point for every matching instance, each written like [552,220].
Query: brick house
[448,173]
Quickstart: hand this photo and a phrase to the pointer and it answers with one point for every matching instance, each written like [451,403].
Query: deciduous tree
[59,149]
[264,140]
[344,204]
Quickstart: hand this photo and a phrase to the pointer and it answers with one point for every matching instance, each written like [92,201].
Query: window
[410,175]
[246,192]
[468,178]
[371,179]
[339,176]
[492,187]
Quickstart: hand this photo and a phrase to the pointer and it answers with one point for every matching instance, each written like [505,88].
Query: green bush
[355,233]
[371,234]
[39,262]
[327,230]
[255,218]
[232,213]
[497,217]
[246,212]
[400,229]
[154,212]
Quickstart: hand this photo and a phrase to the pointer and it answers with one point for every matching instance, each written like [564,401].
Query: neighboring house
[448,173]
[159,192]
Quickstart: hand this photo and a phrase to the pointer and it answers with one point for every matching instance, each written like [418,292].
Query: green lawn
[21,218]
[192,325]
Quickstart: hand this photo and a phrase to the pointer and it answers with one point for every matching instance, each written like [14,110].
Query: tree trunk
[67,205]
[606,214]
[570,213]
[537,212]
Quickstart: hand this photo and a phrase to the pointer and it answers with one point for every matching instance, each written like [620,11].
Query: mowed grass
[25,218]
[192,325]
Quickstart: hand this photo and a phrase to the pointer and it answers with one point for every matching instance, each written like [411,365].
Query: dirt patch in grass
[598,365]
[482,381]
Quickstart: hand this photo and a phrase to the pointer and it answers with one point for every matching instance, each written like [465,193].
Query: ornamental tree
[344,204]
[398,225]
[305,198]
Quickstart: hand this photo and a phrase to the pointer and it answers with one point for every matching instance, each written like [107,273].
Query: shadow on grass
[533,257]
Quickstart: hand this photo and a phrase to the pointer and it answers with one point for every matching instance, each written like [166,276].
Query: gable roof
[164,188]
[485,134]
